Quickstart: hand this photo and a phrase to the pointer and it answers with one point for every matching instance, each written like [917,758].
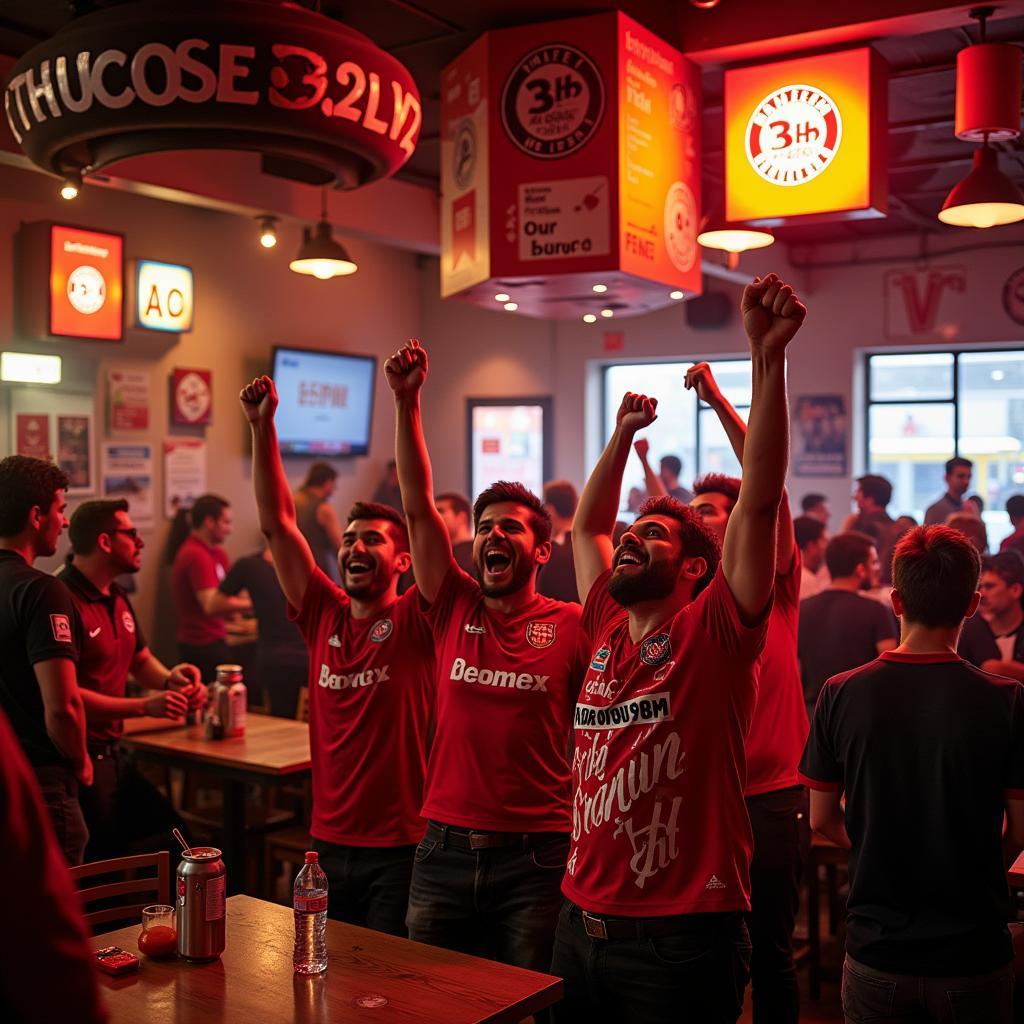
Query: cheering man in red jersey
[371,679]
[487,874]
[776,800]
[658,873]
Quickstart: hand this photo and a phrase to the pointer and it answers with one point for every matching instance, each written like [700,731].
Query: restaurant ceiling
[925,159]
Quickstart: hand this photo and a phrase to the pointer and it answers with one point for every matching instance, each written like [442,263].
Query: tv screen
[326,401]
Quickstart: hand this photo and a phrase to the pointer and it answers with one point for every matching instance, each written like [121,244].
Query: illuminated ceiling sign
[163,296]
[86,284]
[806,137]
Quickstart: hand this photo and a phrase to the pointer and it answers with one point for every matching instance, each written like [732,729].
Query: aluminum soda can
[200,898]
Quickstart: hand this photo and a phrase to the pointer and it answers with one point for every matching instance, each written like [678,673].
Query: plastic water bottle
[309,899]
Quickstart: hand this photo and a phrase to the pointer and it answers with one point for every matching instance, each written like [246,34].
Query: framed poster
[819,436]
[128,473]
[128,399]
[509,439]
[55,424]
[74,452]
[32,435]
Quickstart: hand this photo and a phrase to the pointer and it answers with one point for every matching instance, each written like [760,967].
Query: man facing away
[316,518]
[958,483]
[993,639]
[200,566]
[841,627]
[487,874]
[928,752]
[1015,510]
[872,517]
[657,881]
[666,480]
[816,506]
[122,809]
[371,677]
[811,541]
[41,639]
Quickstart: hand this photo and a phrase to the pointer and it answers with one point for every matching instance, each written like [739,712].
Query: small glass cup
[158,936]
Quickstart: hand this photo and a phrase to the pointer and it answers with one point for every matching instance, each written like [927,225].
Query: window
[925,407]
[685,427]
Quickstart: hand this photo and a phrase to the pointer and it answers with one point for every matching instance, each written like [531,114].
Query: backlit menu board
[86,284]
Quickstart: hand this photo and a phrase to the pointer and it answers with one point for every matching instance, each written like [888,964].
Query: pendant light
[717,233]
[985,198]
[320,255]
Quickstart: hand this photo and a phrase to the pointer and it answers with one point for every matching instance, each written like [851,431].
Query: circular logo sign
[1013,296]
[87,289]
[464,154]
[553,101]
[793,135]
[192,397]
[682,107]
[681,226]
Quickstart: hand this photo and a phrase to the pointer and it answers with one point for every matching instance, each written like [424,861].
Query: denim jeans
[782,841]
[59,789]
[694,975]
[367,885]
[880,997]
[501,903]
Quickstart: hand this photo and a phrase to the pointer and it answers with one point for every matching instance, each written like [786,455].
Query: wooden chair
[148,889]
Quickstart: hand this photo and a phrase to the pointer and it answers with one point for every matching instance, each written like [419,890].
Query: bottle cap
[312,856]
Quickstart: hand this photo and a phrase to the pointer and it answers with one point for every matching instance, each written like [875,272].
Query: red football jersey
[659,822]
[505,693]
[778,731]
[371,684]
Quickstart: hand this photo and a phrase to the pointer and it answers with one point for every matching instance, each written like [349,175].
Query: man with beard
[657,880]
[993,639]
[371,678]
[122,809]
[497,798]
[776,800]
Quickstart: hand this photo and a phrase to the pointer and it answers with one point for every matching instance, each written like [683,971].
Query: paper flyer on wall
[128,396]
[128,473]
[819,437]
[74,452]
[184,472]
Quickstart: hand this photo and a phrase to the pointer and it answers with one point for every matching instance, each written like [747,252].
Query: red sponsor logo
[540,634]
[381,631]
[61,626]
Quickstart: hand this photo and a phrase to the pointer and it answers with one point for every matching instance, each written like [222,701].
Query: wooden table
[370,977]
[271,750]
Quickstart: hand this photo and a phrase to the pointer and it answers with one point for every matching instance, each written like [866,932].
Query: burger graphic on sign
[793,135]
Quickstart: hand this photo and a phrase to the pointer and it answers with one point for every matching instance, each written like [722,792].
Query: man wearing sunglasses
[121,808]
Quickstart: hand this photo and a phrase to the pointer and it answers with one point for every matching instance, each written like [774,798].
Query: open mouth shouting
[628,558]
[359,569]
[497,565]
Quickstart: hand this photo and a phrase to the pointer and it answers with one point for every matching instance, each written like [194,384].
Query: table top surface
[270,746]
[370,977]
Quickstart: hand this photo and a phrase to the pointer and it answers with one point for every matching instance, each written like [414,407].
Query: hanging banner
[128,399]
[820,436]
[128,473]
[184,472]
[32,432]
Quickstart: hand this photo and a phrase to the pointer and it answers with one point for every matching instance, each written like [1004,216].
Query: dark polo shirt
[111,637]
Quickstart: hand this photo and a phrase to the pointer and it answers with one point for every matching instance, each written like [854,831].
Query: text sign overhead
[163,296]
[806,137]
[86,284]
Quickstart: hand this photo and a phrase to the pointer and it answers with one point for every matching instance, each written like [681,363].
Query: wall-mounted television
[326,401]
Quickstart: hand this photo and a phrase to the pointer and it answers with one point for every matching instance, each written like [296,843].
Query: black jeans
[125,812]
[880,997]
[695,975]
[501,903]
[60,790]
[367,885]
[206,657]
[782,842]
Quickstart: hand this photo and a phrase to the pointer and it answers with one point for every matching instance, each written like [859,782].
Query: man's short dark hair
[207,506]
[935,571]
[1007,565]
[25,483]
[845,551]
[698,540]
[958,462]
[459,502]
[562,497]
[809,501]
[876,487]
[807,530]
[92,518]
[378,510]
[509,490]
[718,483]
[672,463]
[1015,506]
[320,473]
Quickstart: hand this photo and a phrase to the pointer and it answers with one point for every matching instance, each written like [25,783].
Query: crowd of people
[550,737]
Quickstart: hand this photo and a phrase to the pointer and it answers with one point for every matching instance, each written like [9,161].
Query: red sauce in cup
[159,940]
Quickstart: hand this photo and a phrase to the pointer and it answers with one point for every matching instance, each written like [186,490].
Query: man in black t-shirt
[928,752]
[842,627]
[282,659]
[40,637]
[993,639]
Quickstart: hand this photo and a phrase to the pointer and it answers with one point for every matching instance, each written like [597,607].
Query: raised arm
[594,523]
[653,482]
[702,380]
[293,561]
[431,546]
[771,317]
